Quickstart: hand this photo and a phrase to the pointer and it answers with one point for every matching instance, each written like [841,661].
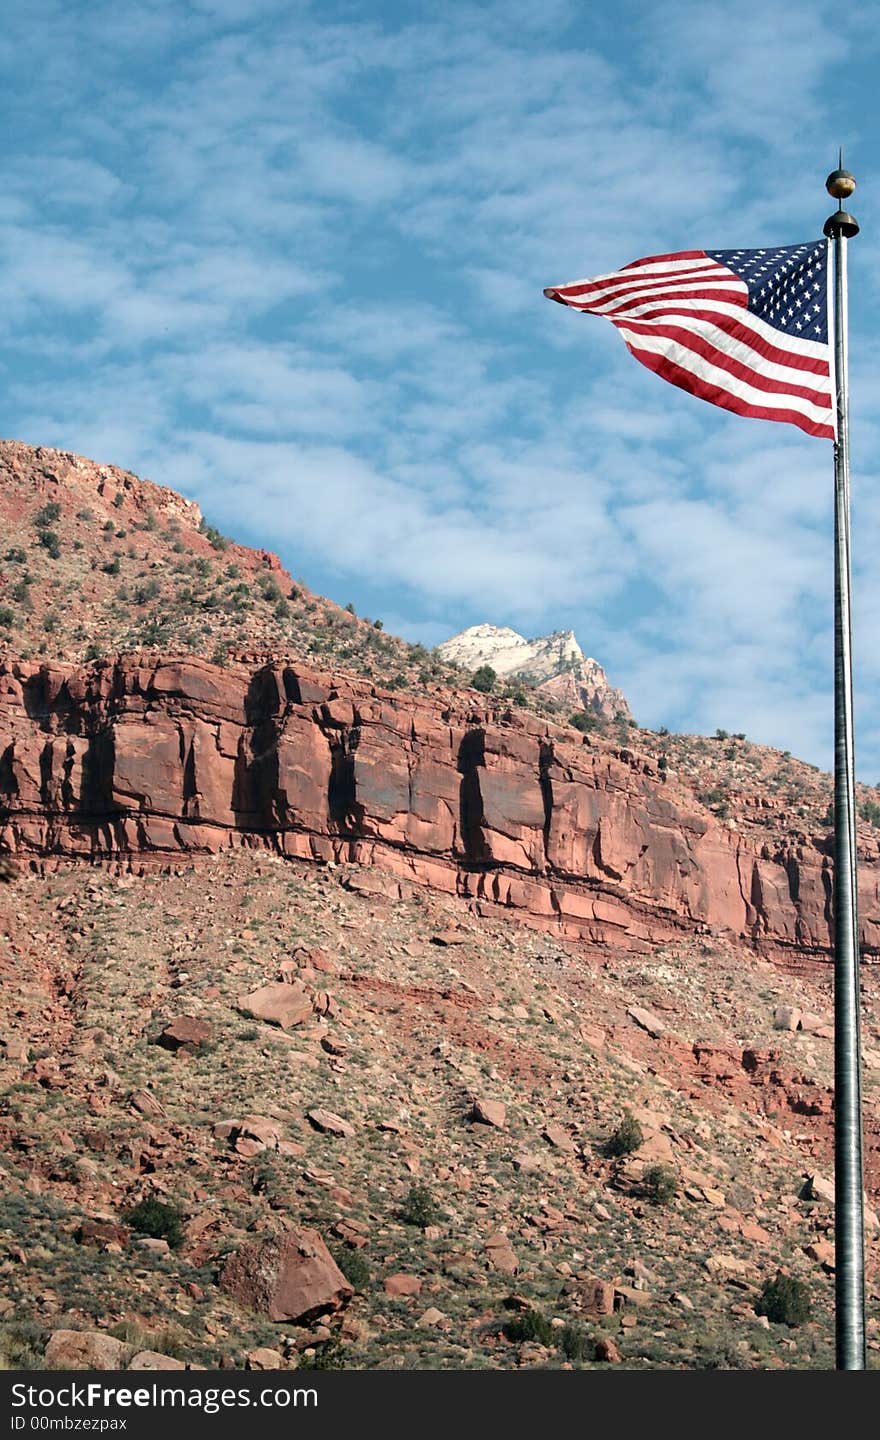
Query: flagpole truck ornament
[755,332]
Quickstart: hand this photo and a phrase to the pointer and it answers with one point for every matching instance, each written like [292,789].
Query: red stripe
[678,255]
[700,346]
[668,370]
[585,287]
[641,297]
[737,331]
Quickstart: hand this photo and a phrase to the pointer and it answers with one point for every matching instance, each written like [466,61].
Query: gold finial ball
[840,184]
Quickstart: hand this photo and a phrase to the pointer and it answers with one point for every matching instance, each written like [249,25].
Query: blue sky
[289,259]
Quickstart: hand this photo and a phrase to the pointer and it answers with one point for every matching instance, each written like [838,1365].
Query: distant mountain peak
[555,664]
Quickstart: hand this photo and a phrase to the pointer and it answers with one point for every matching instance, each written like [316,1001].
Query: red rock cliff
[139,760]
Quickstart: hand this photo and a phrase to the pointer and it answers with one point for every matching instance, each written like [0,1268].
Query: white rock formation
[555,664]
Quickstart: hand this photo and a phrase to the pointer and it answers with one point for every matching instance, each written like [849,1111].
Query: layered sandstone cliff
[139,761]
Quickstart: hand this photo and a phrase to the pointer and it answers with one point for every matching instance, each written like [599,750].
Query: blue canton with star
[788,286]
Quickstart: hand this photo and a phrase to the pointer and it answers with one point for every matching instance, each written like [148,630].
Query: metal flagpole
[848,1182]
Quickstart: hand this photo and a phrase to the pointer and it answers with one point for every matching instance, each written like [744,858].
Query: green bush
[144,593]
[785,1300]
[626,1138]
[119,500]
[213,536]
[870,811]
[7,617]
[419,1207]
[328,1356]
[580,720]
[50,512]
[484,679]
[51,542]
[660,1184]
[155,1218]
[574,1342]
[530,1325]
[16,556]
[354,1267]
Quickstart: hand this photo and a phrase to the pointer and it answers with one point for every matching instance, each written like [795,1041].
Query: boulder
[278,1004]
[558,1137]
[489,1112]
[84,1350]
[289,1277]
[647,1020]
[330,1124]
[185,1032]
[102,1233]
[264,1359]
[501,1254]
[597,1296]
[787,1017]
[154,1360]
[397,1285]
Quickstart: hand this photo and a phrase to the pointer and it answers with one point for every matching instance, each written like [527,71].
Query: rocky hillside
[555,665]
[95,560]
[352,1017]
[500,1148]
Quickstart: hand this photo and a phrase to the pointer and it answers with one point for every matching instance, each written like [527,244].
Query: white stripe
[640,270]
[658,266]
[741,351]
[782,339]
[712,375]
[706,287]
[700,278]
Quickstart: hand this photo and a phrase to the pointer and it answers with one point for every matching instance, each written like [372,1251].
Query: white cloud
[290,259]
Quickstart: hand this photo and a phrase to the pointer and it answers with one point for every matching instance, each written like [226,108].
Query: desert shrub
[574,1342]
[329,1356]
[214,537]
[484,679]
[530,1325]
[16,556]
[112,567]
[21,1345]
[50,512]
[626,1138]
[119,500]
[785,1300]
[870,811]
[155,1218]
[50,541]
[144,593]
[580,720]
[660,1184]
[354,1266]
[270,589]
[7,617]
[419,1207]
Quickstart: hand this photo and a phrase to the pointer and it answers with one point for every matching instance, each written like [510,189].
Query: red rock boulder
[287,1277]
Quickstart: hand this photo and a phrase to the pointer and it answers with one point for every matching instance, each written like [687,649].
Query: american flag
[745,329]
